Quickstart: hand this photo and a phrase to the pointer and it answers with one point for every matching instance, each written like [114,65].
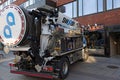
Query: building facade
[99,17]
[102,20]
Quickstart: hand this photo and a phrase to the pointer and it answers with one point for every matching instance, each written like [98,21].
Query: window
[68,10]
[23,5]
[11,1]
[8,2]
[74,6]
[26,4]
[0,7]
[89,6]
[3,5]
[80,7]
[86,7]
[100,5]
[31,1]
[116,3]
[109,4]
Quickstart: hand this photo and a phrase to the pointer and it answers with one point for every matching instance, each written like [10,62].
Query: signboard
[12,25]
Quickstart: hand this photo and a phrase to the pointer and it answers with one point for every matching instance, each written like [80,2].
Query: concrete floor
[95,68]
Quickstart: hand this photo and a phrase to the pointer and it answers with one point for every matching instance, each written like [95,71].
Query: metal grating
[112,67]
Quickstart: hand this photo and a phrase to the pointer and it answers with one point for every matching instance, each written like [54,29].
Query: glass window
[116,3]
[68,10]
[31,2]
[100,5]
[11,1]
[8,2]
[89,6]
[0,7]
[23,5]
[74,9]
[26,4]
[80,7]
[109,4]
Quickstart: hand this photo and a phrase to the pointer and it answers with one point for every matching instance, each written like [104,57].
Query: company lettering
[10,22]
[68,22]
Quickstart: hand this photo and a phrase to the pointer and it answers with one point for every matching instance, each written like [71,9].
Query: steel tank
[16,25]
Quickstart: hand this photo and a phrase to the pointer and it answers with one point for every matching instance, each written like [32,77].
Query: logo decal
[13,25]
[10,22]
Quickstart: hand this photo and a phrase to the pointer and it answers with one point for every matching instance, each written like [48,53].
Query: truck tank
[16,24]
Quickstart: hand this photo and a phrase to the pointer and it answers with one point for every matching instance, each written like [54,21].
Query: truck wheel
[84,55]
[64,68]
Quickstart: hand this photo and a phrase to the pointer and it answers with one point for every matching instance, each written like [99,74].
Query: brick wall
[107,18]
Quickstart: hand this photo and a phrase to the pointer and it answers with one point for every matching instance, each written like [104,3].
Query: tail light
[48,68]
[11,64]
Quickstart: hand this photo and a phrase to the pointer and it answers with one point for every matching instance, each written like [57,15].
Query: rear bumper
[42,75]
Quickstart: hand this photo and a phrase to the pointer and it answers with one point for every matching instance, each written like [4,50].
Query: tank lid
[12,25]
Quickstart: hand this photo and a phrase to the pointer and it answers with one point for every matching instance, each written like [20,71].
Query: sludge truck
[45,42]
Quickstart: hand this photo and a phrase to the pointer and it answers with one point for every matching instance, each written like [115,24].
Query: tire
[64,68]
[84,55]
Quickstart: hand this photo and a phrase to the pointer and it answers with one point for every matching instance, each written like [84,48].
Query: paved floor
[95,68]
